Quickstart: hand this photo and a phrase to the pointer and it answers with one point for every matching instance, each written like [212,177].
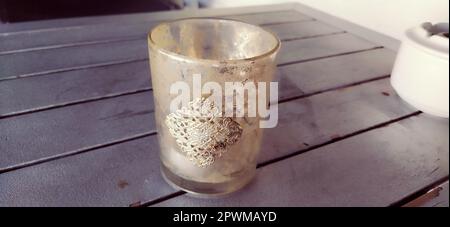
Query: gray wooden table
[77,127]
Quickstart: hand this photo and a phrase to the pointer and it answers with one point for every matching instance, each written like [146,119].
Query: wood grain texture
[303,123]
[371,169]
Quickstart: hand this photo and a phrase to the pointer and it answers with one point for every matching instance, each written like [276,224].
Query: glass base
[207,190]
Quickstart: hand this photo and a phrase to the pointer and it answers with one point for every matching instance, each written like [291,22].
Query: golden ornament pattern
[200,131]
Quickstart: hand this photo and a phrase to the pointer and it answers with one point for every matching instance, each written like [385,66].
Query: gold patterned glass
[217,154]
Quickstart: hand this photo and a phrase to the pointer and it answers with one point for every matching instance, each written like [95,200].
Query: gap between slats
[87,43]
[417,194]
[100,41]
[153,132]
[299,152]
[53,71]
[64,104]
[172,195]
[138,37]
[65,28]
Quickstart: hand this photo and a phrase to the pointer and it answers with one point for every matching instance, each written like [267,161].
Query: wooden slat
[113,176]
[37,26]
[372,169]
[79,35]
[320,118]
[76,127]
[44,61]
[104,152]
[441,199]
[35,62]
[303,123]
[299,30]
[435,197]
[32,93]
[56,24]
[267,18]
[362,31]
[319,75]
[14,127]
[76,86]
[64,87]
[301,50]
[23,63]
[73,35]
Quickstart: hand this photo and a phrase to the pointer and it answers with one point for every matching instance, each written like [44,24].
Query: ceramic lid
[431,38]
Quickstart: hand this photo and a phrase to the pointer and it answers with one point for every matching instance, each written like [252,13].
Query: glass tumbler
[209,141]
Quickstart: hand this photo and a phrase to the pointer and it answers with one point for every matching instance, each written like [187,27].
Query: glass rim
[271,51]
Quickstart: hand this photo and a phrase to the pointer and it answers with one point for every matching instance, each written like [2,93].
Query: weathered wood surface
[78,128]
[324,46]
[110,32]
[93,83]
[267,18]
[371,169]
[303,123]
[24,64]
[57,24]
[301,30]
[121,117]
[100,81]
[435,197]
[49,60]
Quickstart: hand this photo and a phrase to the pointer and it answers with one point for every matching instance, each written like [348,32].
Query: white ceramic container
[420,74]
